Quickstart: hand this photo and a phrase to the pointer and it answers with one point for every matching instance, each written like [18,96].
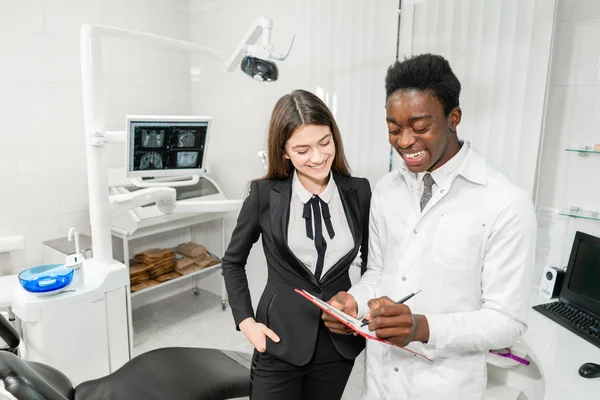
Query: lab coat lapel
[279,205]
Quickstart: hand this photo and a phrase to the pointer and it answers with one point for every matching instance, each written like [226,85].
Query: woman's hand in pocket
[257,333]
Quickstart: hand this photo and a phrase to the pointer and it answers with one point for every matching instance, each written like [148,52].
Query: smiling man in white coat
[448,223]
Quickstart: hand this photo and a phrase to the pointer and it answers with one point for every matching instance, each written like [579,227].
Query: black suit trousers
[323,378]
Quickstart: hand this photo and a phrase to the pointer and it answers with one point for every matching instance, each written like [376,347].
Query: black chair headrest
[8,334]
[33,381]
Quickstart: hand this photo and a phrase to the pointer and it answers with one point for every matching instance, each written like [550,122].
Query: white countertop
[559,353]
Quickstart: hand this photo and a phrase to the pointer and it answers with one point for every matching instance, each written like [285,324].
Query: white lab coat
[471,251]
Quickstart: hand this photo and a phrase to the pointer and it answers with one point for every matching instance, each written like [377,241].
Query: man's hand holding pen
[395,322]
[391,321]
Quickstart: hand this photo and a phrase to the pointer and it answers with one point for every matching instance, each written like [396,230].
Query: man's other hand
[346,303]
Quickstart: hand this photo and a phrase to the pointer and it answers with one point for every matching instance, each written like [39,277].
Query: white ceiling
[198,6]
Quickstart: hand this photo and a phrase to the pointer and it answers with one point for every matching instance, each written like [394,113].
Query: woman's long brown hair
[290,112]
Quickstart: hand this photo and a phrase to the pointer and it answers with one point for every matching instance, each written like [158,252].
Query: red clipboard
[351,322]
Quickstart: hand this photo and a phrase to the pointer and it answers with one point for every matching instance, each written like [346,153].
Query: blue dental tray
[46,279]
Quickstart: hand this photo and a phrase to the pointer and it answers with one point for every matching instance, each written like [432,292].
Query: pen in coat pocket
[402,300]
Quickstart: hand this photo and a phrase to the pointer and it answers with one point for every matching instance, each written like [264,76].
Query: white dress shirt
[471,251]
[300,244]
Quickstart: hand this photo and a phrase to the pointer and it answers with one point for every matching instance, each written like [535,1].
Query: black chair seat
[169,373]
[172,373]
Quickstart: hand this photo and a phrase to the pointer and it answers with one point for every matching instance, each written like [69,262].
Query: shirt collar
[304,195]
[474,167]
[466,163]
[443,174]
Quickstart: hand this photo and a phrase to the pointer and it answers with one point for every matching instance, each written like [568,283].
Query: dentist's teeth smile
[415,155]
[414,158]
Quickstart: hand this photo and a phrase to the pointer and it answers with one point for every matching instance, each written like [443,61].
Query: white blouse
[300,244]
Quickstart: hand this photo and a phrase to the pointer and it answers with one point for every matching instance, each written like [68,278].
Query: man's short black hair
[425,72]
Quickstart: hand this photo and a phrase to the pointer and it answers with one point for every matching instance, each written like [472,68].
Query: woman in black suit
[313,217]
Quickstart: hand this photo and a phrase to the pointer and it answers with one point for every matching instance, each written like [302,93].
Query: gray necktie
[427,192]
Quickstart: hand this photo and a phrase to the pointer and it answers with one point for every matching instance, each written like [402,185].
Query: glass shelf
[582,151]
[585,214]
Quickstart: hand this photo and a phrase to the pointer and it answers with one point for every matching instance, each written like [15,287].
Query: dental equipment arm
[165,199]
[119,203]
[97,31]
[198,206]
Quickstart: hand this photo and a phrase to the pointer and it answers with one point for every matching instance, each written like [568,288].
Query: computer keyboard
[577,321]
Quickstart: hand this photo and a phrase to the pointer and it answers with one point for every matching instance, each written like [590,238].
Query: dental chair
[169,373]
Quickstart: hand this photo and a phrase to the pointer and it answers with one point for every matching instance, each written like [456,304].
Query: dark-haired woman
[313,219]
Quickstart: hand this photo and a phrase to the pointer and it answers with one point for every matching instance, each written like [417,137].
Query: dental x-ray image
[187,159]
[186,139]
[151,160]
[152,139]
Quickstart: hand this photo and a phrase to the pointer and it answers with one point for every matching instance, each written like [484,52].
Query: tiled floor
[199,321]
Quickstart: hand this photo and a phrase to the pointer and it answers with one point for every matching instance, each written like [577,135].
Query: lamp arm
[100,31]
[280,56]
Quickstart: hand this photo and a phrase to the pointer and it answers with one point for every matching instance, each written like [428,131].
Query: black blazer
[294,319]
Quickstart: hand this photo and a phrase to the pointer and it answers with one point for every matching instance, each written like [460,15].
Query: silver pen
[402,300]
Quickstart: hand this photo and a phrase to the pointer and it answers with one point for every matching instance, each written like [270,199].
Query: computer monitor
[166,146]
[582,282]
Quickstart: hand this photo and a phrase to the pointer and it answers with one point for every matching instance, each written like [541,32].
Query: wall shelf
[163,284]
[584,214]
[586,151]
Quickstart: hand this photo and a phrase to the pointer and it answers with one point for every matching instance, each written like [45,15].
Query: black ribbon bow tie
[315,202]
[319,207]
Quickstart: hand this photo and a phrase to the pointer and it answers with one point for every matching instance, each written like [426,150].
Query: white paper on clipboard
[352,323]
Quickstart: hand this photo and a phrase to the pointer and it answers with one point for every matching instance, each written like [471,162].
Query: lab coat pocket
[450,379]
[458,241]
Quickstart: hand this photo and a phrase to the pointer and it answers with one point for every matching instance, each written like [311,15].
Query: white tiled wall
[43,182]
[573,116]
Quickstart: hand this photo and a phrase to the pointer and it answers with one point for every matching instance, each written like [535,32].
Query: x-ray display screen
[164,145]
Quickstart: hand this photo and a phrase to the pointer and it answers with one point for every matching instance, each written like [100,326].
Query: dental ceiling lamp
[253,58]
